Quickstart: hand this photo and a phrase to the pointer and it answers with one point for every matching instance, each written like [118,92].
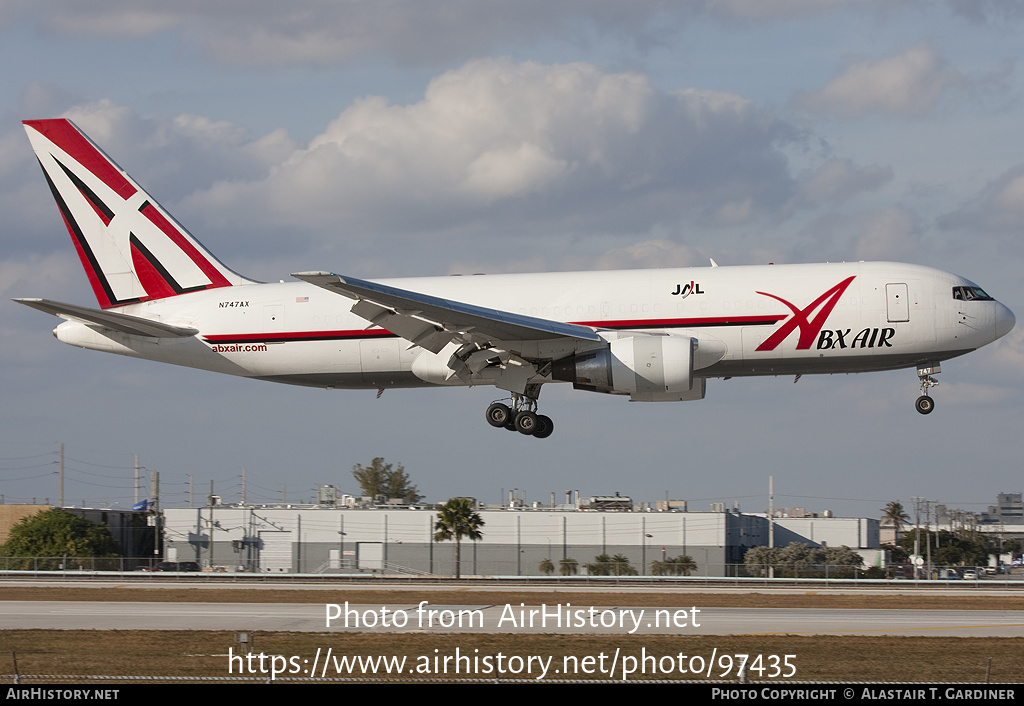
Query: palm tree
[894,516]
[679,566]
[568,566]
[686,564]
[547,567]
[620,566]
[601,566]
[605,565]
[456,520]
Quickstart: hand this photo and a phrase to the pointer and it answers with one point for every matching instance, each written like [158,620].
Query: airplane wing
[433,322]
[124,323]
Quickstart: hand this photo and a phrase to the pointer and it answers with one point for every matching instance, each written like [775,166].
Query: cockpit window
[970,294]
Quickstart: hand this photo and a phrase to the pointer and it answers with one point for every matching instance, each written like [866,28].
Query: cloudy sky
[438,137]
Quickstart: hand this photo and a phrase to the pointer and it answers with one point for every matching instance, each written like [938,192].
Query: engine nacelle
[645,367]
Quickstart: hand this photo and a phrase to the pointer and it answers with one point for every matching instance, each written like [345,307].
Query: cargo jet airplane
[654,335]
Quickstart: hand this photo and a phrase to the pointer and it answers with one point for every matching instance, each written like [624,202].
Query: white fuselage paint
[889,315]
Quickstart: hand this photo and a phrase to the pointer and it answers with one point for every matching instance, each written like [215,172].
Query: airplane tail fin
[131,248]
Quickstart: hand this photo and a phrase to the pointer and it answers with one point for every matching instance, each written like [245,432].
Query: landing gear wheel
[498,415]
[526,423]
[926,404]
[544,427]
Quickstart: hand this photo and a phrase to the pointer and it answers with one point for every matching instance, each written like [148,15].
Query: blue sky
[431,138]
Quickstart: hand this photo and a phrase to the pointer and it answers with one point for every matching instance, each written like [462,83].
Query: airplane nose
[1005,320]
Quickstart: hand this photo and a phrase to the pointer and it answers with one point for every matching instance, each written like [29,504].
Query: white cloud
[889,235]
[1008,352]
[322,32]
[650,254]
[777,9]
[1008,203]
[497,160]
[13,154]
[35,275]
[839,180]
[908,84]
[976,393]
[57,275]
[116,19]
[998,207]
[179,155]
[983,11]
[526,143]
[508,172]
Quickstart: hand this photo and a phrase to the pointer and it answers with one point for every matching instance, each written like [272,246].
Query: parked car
[971,574]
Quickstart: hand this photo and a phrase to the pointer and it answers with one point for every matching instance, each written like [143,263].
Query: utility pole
[928,538]
[917,535]
[60,501]
[771,522]
[211,525]
[154,489]
[154,506]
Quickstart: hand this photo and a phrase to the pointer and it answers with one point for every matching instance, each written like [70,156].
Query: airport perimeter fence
[79,563]
[607,573]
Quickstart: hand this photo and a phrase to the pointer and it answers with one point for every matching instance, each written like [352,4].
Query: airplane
[651,335]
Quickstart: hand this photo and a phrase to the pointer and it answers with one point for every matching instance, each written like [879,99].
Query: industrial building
[515,540]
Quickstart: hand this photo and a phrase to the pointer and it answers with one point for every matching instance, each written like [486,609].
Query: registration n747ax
[652,335]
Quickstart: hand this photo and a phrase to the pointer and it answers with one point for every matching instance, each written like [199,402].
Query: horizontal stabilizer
[133,325]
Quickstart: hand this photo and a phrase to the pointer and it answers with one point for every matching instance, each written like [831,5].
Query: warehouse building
[516,541]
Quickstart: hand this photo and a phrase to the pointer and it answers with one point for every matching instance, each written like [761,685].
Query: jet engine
[649,368]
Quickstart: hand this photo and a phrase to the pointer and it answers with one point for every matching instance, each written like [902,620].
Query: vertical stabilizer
[132,250]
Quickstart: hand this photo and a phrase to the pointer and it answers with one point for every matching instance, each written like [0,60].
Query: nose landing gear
[926,404]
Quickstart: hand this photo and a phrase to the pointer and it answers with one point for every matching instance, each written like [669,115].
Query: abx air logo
[809,327]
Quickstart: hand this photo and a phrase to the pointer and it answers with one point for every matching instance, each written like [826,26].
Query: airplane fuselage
[769,320]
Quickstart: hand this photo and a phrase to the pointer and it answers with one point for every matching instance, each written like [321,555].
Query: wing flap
[123,323]
[428,334]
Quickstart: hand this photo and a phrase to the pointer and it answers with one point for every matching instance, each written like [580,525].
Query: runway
[564,618]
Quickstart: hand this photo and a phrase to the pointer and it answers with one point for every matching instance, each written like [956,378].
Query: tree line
[619,565]
[799,559]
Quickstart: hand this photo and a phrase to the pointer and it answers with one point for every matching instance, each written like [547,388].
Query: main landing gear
[926,404]
[521,416]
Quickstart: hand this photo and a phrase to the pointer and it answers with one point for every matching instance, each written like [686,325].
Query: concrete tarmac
[564,618]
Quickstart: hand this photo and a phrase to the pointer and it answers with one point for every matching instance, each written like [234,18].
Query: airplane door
[897,302]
